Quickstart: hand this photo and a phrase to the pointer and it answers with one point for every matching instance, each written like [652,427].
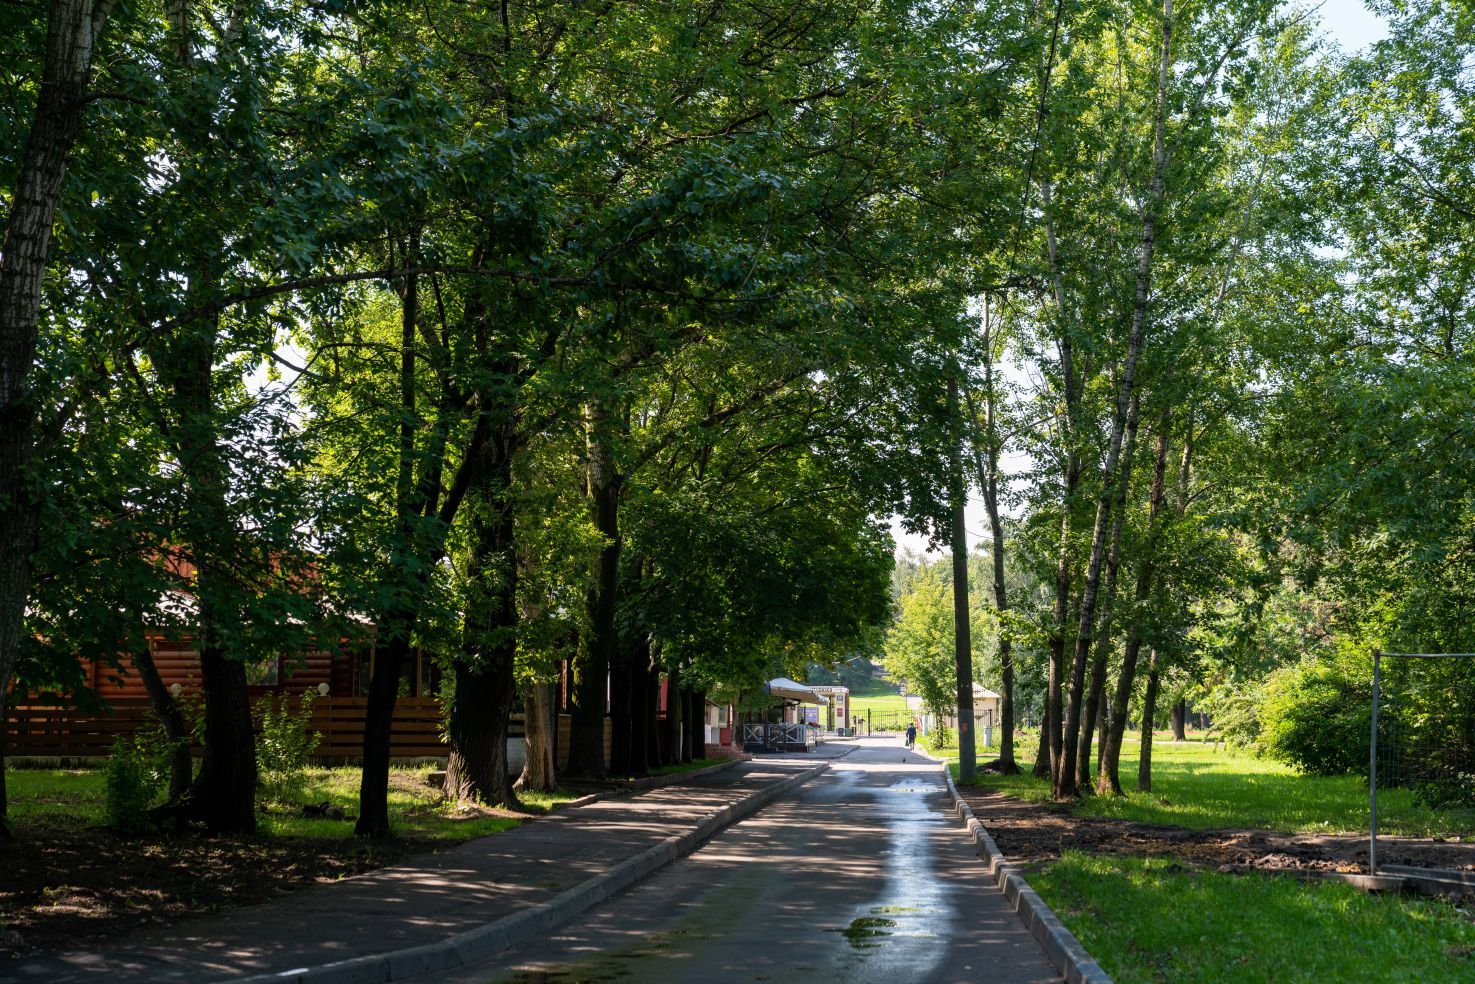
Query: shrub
[1235,707]
[285,746]
[135,777]
[1315,716]
[938,739]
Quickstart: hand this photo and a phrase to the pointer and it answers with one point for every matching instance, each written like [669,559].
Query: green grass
[1196,785]
[1149,920]
[692,766]
[881,698]
[415,807]
[39,794]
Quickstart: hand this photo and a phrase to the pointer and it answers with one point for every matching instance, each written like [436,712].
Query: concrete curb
[475,945]
[1059,943]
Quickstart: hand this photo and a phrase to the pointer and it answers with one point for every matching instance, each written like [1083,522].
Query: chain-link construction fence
[1422,757]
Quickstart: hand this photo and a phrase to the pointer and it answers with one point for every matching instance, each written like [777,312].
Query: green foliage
[135,778]
[919,647]
[1317,717]
[937,741]
[285,745]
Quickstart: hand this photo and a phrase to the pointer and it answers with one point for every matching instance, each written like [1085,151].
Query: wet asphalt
[860,876]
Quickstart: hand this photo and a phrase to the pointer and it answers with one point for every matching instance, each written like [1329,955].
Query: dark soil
[65,885]
[1035,832]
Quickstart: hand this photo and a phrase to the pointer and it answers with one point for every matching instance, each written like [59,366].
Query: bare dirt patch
[69,885]
[1034,832]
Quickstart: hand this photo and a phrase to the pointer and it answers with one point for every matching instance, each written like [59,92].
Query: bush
[135,777]
[1315,716]
[938,739]
[285,745]
[1235,707]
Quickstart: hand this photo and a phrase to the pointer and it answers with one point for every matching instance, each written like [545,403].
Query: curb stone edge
[1059,943]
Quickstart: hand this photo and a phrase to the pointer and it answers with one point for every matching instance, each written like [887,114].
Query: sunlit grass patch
[1152,920]
[1202,786]
[416,809]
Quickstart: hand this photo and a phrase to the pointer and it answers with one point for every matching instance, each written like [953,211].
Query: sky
[1352,26]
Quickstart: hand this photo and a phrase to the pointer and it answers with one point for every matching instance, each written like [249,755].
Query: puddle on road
[910,785]
[870,932]
[862,933]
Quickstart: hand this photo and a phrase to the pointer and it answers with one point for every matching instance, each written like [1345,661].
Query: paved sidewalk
[423,901]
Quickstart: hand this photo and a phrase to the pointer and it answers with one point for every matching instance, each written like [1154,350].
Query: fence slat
[50,730]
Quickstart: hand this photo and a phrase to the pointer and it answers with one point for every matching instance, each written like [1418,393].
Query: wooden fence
[46,731]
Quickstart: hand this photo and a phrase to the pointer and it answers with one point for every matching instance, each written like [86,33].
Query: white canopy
[793,690]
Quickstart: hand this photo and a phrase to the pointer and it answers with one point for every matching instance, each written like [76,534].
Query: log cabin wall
[40,731]
[179,662]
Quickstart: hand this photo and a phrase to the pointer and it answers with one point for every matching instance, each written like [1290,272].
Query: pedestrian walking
[912,735]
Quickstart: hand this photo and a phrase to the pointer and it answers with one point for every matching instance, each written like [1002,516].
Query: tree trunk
[641,712]
[1103,728]
[223,794]
[485,684]
[697,734]
[1109,774]
[181,766]
[1179,717]
[1051,735]
[671,747]
[987,465]
[1092,581]
[1149,716]
[1102,657]
[419,547]
[962,623]
[224,791]
[620,706]
[389,663]
[688,725]
[539,771]
[72,30]
[586,741]
[476,771]
[1041,769]
[1055,673]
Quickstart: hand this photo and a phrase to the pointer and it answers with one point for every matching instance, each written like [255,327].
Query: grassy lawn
[1202,787]
[415,808]
[1149,920]
[882,699]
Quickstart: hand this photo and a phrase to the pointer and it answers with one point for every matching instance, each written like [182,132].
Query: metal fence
[779,736]
[889,720]
[1421,759]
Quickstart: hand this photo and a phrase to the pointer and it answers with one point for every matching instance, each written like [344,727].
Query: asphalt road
[858,877]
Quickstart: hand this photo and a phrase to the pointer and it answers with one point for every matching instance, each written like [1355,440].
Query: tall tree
[73,32]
